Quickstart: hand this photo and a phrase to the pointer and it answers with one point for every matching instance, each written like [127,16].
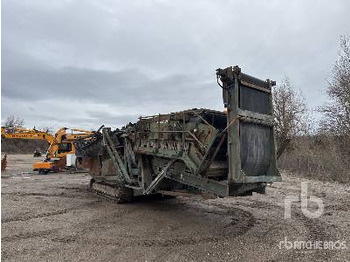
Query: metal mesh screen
[255,142]
[254,100]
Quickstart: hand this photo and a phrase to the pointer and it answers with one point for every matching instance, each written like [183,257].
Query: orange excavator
[61,151]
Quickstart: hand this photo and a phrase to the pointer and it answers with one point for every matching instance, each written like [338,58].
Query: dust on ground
[56,218]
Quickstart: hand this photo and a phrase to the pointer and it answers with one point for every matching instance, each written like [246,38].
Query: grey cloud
[107,118]
[126,87]
[158,56]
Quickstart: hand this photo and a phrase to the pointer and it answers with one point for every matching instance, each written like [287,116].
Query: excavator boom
[61,144]
[21,133]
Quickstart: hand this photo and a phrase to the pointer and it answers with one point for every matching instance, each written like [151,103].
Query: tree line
[324,152]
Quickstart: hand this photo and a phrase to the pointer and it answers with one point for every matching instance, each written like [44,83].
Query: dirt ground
[56,218]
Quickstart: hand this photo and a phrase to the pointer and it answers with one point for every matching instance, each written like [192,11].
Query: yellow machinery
[22,133]
[61,145]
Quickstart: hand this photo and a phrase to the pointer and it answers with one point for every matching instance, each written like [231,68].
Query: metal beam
[116,159]
[208,185]
[159,178]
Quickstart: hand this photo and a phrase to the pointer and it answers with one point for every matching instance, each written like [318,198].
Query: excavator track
[114,193]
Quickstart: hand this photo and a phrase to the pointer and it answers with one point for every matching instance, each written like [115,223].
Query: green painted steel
[196,150]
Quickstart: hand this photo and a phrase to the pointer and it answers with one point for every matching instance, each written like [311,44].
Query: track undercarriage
[111,192]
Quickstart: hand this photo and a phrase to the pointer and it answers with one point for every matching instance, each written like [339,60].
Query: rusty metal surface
[223,153]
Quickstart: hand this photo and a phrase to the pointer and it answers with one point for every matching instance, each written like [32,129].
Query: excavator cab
[65,147]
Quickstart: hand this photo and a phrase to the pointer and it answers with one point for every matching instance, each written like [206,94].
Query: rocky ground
[56,218]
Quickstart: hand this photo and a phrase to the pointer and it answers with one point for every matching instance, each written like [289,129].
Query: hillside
[22,146]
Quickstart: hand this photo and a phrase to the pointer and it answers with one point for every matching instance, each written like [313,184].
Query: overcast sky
[86,63]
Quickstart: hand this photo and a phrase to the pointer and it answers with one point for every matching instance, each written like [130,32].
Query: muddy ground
[56,218]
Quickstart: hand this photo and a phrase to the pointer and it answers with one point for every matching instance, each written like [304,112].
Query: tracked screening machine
[198,150]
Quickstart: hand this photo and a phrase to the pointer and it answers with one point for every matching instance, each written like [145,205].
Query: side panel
[251,145]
